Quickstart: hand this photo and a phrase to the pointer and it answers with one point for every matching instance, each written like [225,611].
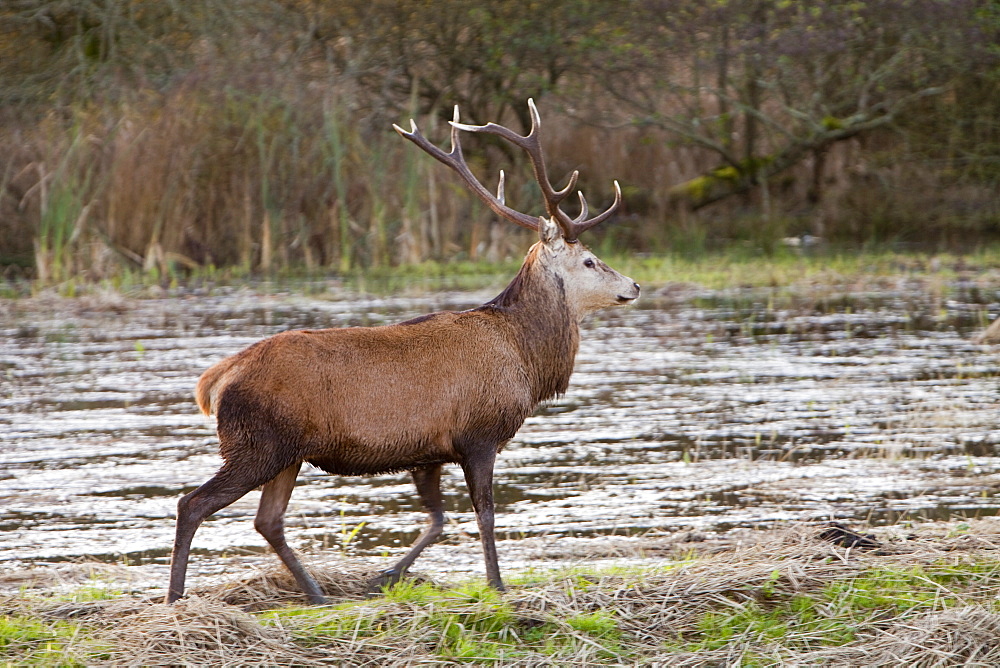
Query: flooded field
[695,411]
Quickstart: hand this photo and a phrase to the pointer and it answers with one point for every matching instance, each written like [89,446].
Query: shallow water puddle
[708,412]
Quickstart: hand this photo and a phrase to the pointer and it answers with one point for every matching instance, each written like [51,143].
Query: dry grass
[215,173]
[275,587]
[924,596]
[196,631]
[960,637]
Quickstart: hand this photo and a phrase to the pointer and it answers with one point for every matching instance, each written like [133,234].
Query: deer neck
[545,329]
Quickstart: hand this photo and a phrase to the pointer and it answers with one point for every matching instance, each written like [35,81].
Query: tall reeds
[258,176]
[205,177]
[161,137]
[65,194]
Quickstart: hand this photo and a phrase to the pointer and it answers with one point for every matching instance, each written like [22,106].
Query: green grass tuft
[27,640]
[762,605]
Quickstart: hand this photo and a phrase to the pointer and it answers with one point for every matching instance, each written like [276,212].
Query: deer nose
[622,299]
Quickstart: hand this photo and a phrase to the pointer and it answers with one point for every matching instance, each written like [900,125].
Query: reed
[65,193]
[252,175]
[256,136]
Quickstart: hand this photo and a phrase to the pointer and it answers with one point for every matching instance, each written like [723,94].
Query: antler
[456,161]
[571,227]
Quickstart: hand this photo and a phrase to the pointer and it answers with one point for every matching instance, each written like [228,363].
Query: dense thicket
[163,134]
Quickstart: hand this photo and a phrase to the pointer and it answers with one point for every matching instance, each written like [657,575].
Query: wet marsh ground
[700,411]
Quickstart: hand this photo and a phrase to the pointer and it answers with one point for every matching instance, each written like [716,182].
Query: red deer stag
[449,387]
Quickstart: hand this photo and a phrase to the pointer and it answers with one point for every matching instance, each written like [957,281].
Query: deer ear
[548,230]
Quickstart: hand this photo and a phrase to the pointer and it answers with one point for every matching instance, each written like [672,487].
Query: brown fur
[449,387]
[366,400]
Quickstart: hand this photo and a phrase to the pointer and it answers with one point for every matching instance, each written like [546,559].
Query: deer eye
[589,263]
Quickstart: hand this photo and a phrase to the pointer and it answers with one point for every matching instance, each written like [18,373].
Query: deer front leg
[428,483]
[479,477]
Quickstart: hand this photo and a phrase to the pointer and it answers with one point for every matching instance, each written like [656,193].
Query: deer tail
[211,384]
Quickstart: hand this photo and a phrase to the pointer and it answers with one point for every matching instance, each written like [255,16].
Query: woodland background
[165,136]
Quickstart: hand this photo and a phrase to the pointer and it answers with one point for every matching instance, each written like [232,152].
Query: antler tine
[531,145]
[536,122]
[584,210]
[456,161]
[501,196]
[579,225]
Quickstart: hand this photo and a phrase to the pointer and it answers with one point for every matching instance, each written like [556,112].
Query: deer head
[589,283]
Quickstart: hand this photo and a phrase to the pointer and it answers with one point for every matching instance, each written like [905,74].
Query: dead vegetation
[161,139]
[921,596]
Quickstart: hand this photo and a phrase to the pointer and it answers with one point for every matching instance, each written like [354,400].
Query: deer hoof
[384,579]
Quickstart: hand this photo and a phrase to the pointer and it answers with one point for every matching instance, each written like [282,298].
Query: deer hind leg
[428,483]
[270,522]
[225,487]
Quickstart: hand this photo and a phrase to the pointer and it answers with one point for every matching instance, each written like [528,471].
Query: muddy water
[696,410]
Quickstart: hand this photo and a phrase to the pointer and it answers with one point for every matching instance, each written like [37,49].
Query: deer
[451,387]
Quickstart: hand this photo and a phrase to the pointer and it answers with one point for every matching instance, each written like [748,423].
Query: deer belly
[365,457]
